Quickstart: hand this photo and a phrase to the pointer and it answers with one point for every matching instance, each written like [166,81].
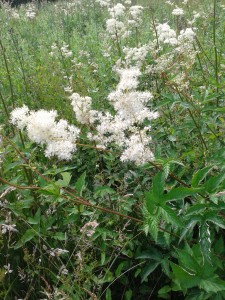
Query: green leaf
[148,270]
[65,181]
[200,175]
[196,209]
[183,277]
[214,182]
[217,221]
[119,269]
[150,203]
[108,294]
[79,185]
[60,236]
[158,185]
[180,193]
[152,226]
[103,190]
[152,253]
[171,216]
[189,226]
[28,235]
[205,241]
[50,189]
[32,221]
[214,285]
[164,290]
[188,261]
[128,295]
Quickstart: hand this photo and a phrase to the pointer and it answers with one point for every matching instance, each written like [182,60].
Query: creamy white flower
[42,128]
[81,107]
[30,12]
[137,148]
[19,116]
[178,11]
[187,35]
[117,10]
[65,51]
[135,12]
[104,3]
[128,78]
[115,28]
[165,34]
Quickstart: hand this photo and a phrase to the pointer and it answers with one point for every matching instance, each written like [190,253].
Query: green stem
[6,112]
[8,73]
[20,59]
[215,51]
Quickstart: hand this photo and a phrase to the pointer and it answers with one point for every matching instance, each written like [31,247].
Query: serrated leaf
[79,185]
[104,190]
[152,227]
[200,175]
[166,170]
[205,241]
[196,209]
[152,253]
[188,261]
[148,270]
[185,278]
[214,183]
[189,226]
[150,203]
[214,285]
[180,193]
[158,185]
[217,221]
[171,216]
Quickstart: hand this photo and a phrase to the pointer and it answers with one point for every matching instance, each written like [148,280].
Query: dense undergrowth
[112,150]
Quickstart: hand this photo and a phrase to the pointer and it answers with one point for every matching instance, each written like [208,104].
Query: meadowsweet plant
[112,150]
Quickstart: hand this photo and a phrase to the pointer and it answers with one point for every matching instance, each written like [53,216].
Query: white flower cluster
[177,59]
[135,56]
[115,28]
[117,11]
[104,3]
[81,107]
[135,13]
[178,11]
[10,11]
[122,18]
[42,128]
[30,11]
[125,127]
[165,34]
[65,50]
